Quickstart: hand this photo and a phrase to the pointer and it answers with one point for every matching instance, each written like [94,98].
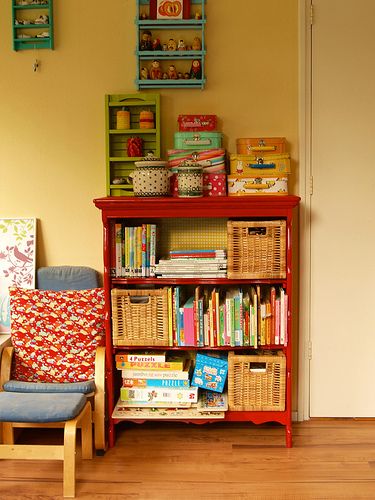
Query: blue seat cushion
[78,387]
[40,407]
[59,278]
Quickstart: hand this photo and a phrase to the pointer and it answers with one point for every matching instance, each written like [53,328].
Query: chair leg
[69,478]
[86,432]
[8,433]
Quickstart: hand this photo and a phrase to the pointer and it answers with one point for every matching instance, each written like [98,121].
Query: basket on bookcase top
[139,317]
[256,249]
[256,382]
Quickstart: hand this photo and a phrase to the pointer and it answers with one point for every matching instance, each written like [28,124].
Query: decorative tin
[212,160]
[196,123]
[151,177]
[214,184]
[189,180]
[197,140]
[262,145]
[259,165]
[241,185]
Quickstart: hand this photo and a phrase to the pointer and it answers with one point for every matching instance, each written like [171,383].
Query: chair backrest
[67,278]
[56,328]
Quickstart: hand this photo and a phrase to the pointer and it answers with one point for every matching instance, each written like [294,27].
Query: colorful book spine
[150,365]
[141,357]
[152,249]
[158,395]
[188,321]
[156,382]
[155,374]
[143,251]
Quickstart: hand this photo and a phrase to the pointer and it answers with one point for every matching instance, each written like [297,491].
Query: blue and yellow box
[210,372]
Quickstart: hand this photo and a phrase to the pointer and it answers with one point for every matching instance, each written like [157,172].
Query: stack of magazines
[193,264]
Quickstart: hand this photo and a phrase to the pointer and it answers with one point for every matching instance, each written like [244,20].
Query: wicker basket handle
[258,367]
[257,231]
[139,299]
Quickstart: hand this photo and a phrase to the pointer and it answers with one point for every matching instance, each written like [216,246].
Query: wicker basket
[140,317]
[256,382]
[257,249]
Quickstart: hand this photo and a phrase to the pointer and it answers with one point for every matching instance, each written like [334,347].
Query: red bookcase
[208,216]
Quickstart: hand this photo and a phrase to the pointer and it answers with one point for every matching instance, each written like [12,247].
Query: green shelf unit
[28,34]
[164,30]
[119,165]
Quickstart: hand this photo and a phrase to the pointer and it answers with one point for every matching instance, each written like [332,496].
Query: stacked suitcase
[261,166]
[198,140]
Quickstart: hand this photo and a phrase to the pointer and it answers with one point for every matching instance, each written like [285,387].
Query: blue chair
[69,405]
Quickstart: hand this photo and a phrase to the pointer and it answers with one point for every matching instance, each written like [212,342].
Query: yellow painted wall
[52,142]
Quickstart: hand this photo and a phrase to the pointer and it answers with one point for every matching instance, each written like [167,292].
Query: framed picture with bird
[17,261]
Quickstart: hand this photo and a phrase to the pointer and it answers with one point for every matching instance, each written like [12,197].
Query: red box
[196,123]
[214,184]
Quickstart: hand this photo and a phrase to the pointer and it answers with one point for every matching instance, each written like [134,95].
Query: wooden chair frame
[92,413]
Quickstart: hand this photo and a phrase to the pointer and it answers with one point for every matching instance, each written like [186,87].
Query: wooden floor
[174,461]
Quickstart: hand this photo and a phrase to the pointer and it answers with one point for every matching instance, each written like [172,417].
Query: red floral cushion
[55,334]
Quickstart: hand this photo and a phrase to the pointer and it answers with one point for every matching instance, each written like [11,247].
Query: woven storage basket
[257,249]
[256,382]
[140,317]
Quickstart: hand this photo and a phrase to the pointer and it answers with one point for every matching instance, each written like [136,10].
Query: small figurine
[165,46]
[172,73]
[198,15]
[146,41]
[172,45]
[197,44]
[180,76]
[196,69]
[186,75]
[143,16]
[181,45]
[155,71]
[156,45]
[165,76]
[144,73]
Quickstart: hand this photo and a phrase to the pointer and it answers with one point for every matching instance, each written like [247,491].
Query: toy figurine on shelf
[180,76]
[172,73]
[165,76]
[155,71]
[146,41]
[172,45]
[181,45]
[156,45]
[196,69]
[144,73]
[186,75]
[197,44]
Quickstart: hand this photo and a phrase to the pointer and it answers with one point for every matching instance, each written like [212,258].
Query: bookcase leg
[288,436]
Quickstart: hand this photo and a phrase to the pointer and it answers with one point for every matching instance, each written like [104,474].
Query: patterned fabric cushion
[55,333]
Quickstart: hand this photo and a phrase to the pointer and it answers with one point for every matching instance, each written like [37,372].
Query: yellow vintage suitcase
[242,185]
[262,145]
[273,165]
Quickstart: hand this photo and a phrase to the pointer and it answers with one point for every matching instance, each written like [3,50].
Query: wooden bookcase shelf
[114,209]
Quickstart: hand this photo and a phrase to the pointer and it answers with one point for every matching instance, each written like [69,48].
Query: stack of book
[193,264]
[155,379]
[134,250]
[156,385]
